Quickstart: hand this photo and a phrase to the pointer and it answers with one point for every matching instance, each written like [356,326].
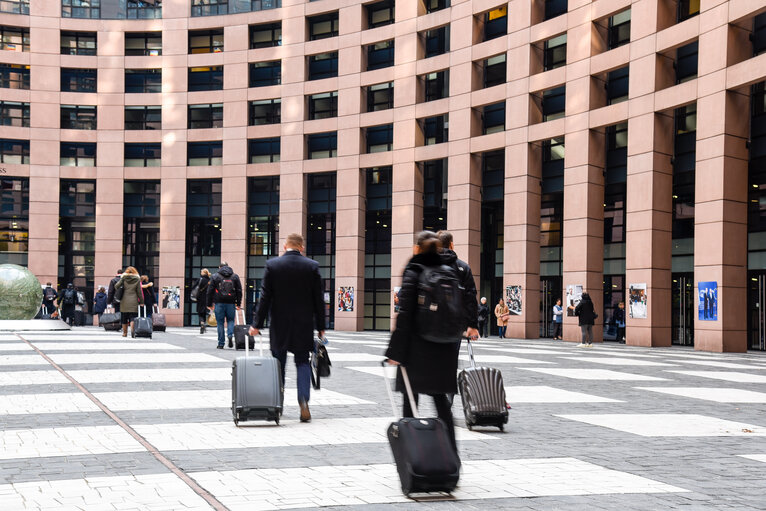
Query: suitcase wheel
[470,427]
[501,426]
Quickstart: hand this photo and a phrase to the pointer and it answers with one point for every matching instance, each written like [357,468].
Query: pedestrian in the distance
[202,310]
[291,296]
[619,320]
[224,296]
[110,292]
[49,298]
[483,314]
[558,319]
[586,315]
[502,313]
[147,288]
[67,300]
[132,297]
[99,302]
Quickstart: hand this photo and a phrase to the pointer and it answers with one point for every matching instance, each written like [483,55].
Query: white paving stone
[618,361]
[593,374]
[35,404]
[5,337]
[545,394]
[355,357]
[503,359]
[265,489]
[719,395]
[727,365]
[527,351]
[670,425]
[755,457]
[22,360]
[191,399]
[98,346]
[116,337]
[151,375]
[733,376]
[8,378]
[225,435]
[139,493]
[14,346]
[66,441]
[134,358]
[375,370]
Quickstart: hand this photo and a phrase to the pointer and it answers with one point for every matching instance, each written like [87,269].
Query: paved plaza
[91,421]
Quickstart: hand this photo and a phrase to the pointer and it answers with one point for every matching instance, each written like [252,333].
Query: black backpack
[50,294]
[226,291]
[439,314]
[69,297]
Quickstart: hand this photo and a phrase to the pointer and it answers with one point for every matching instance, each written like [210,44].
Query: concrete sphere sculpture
[20,293]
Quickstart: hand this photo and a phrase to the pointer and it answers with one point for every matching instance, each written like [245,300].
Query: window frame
[75,9]
[272,156]
[554,8]
[435,127]
[6,117]
[14,74]
[436,41]
[372,94]
[314,61]
[380,55]
[147,150]
[271,117]
[12,143]
[213,154]
[82,42]
[372,9]
[615,31]
[313,21]
[146,50]
[21,6]
[273,28]
[6,31]
[617,81]
[489,113]
[82,79]
[208,41]
[385,132]
[213,119]
[77,123]
[134,9]
[330,146]
[273,73]
[436,84]
[326,113]
[497,26]
[435,5]
[685,54]
[213,81]
[146,109]
[209,8]
[552,55]
[491,69]
[81,151]
[552,97]
[147,85]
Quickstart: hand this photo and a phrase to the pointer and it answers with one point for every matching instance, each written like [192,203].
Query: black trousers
[483,328]
[443,404]
[557,330]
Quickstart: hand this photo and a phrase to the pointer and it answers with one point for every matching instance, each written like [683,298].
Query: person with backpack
[224,297]
[67,300]
[429,328]
[130,295]
[49,298]
[110,294]
[586,315]
[467,283]
[202,310]
[99,302]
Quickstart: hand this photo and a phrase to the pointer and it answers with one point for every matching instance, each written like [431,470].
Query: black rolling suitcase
[256,387]
[141,325]
[241,332]
[423,452]
[110,320]
[483,395]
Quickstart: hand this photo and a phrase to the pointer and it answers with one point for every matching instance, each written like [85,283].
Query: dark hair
[119,271]
[585,296]
[445,237]
[428,242]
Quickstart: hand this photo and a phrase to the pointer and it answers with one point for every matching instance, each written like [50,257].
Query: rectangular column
[464,209]
[234,220]
[349,245]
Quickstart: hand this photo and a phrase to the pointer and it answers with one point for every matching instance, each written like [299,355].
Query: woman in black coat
[202,311]
[587,316]
[431,367]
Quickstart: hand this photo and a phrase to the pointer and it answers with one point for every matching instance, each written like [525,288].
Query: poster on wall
[637,297]
[346,299]
[395,299]
[171,297]
[708,301]
[574,295]
[513,299]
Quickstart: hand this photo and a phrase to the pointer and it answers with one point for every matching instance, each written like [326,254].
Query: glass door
[682,292]
[757,306]
[550,291]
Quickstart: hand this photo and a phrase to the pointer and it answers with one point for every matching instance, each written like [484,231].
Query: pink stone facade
[726,70]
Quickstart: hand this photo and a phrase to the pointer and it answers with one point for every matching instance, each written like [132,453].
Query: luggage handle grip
[139,311]
[410,395]
[470,352]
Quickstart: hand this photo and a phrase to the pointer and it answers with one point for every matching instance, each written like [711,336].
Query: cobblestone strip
[199,490]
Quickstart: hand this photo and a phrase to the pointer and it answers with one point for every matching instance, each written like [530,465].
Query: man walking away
[110,293]
[224,296]
[291,294]
[466,282]
[67,300]
[483,316]
[49,298]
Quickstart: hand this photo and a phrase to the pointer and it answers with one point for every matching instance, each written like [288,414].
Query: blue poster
[708,301]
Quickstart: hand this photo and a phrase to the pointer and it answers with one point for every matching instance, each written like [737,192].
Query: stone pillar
[349,243]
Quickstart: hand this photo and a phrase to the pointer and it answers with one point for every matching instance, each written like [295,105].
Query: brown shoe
[305,414]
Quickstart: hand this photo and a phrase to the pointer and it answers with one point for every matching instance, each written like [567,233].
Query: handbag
[211,321]
[320,364]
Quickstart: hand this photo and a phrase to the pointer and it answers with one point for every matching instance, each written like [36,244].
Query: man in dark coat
[466,281]
[291,295]
[67,299]
[110,293]
[49,298]
[224,298]
[586,314]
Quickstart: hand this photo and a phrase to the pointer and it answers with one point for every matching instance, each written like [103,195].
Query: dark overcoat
[292,299]
[585,312]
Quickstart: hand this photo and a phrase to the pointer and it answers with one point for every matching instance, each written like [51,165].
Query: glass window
[206,41]
[78,154]
[78,80]
[14,6]
[262,5]
[617,85]
[380,55]
[143,80]
[143,155]
[204,153]
[14,221]
[380,96]
[435,194]
[78,43]
[78,117]
[266,111]
[14,151]
[615,180]
[90,9]
[205,116]
[205,78]
[619,29]
[263,150]
[496,23]
[686,62]
[263,74]
[14,38]
[684,163]
[322,145]
[144,9]
[380,138]
[14,76]
[688,9]
[13,113]
[323,26]
[493,118]
[435,129]
[436,85]
[494,71]
[209,7]
[323,65]
[436,41]
[143,117]
[323,106]
[436,5]
[554,103]
[380,13]
[555,53]
[555,8]
[266,35]
[759,34]
[143,44]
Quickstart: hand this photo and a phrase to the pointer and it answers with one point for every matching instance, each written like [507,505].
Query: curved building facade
[613,147]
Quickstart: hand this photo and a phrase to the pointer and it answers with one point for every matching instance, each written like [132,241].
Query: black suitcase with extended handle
[241,332]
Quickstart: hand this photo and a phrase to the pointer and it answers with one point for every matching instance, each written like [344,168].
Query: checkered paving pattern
[149,427]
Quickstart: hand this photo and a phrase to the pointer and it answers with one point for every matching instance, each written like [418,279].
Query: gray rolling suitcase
[256,387]
[483,394]
[141,325]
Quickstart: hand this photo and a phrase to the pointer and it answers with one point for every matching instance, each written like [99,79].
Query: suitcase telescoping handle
[141,307]
[407,385]
[156,308]
[470,352]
